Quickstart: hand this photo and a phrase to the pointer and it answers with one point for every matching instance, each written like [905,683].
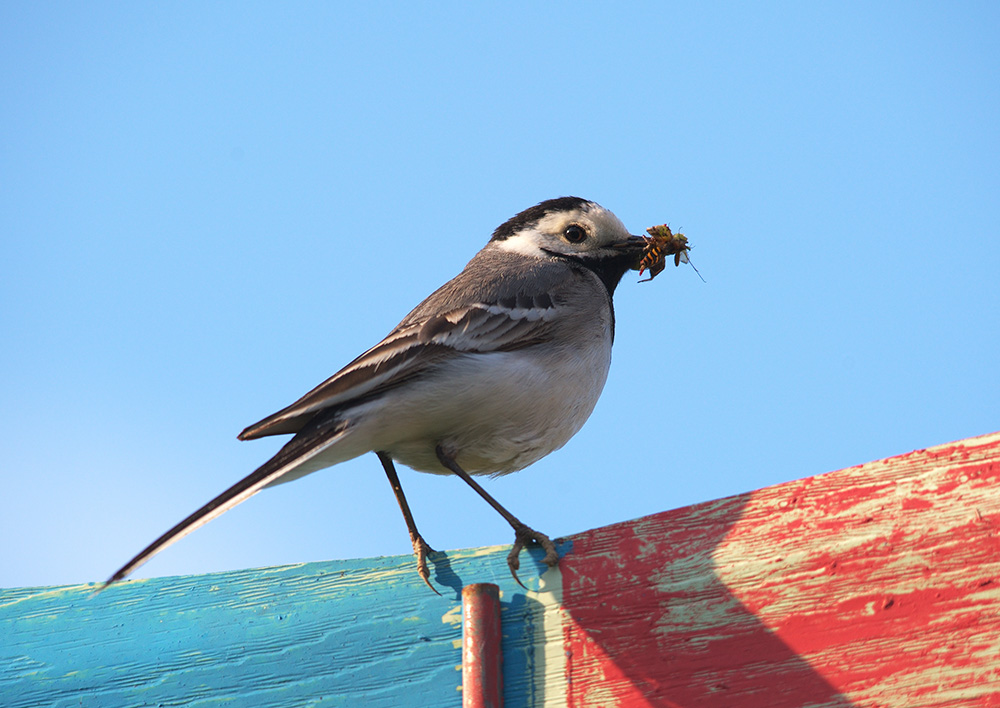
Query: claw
[513,562]
[525,534]
[420,550]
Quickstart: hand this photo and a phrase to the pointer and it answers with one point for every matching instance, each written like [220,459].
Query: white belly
[497,412]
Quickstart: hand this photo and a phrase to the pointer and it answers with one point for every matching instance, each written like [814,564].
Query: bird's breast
[499,412]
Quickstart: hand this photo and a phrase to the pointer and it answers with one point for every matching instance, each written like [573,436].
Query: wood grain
[345,633]
[873,586]
[878,585]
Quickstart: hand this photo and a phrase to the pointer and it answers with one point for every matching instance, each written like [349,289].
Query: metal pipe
[482,660]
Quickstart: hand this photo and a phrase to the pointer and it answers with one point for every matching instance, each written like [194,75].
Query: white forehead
[603,222]
[600,222]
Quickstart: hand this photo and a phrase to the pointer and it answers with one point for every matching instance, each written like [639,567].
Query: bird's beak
[634,245]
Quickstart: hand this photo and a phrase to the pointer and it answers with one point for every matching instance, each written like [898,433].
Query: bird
[497,368]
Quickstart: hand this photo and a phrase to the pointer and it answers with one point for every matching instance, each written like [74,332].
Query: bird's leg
[420,547]
[522,532]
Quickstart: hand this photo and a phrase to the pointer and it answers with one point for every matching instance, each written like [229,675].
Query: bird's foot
[523,535]
[420,550]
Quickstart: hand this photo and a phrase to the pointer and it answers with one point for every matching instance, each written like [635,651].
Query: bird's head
[576,230]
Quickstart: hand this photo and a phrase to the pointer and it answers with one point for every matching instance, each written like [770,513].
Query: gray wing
[479,311]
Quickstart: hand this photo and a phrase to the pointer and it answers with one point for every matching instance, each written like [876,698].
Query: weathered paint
[482,658]
[345,633]
[546,672]
[874,586]
[877,585]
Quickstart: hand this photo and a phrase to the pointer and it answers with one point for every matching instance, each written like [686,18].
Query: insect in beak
[660,243]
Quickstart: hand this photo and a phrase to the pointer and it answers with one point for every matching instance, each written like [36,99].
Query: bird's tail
[291,461]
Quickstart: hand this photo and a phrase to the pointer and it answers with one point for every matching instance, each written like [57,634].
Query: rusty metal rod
[482,660]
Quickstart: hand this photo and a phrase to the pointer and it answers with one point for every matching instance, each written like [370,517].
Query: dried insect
[660,243]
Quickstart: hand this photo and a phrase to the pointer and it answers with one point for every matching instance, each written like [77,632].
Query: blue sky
[208,209]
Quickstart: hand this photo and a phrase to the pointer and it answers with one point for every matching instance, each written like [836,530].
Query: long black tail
[299,450]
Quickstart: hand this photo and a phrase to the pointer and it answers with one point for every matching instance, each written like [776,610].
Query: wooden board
[874,586]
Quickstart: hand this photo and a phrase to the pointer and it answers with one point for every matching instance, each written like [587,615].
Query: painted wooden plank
[874,586]
[343,633]
[877,585]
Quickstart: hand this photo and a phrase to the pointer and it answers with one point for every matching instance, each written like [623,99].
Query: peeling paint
[870,586]
[453,616]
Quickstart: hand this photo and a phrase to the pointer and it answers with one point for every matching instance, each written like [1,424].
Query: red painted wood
[878,585]
[482,678]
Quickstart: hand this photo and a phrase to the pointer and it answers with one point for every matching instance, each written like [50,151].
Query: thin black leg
[420,547]
[522,532]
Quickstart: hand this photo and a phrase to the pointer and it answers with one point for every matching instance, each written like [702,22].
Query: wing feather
[417,348]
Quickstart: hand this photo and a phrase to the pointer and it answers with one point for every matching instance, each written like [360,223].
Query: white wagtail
[496,369]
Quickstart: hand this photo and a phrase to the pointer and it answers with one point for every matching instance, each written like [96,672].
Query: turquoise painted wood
[343,633]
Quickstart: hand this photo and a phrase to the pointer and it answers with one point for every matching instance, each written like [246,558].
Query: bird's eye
[575,234]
